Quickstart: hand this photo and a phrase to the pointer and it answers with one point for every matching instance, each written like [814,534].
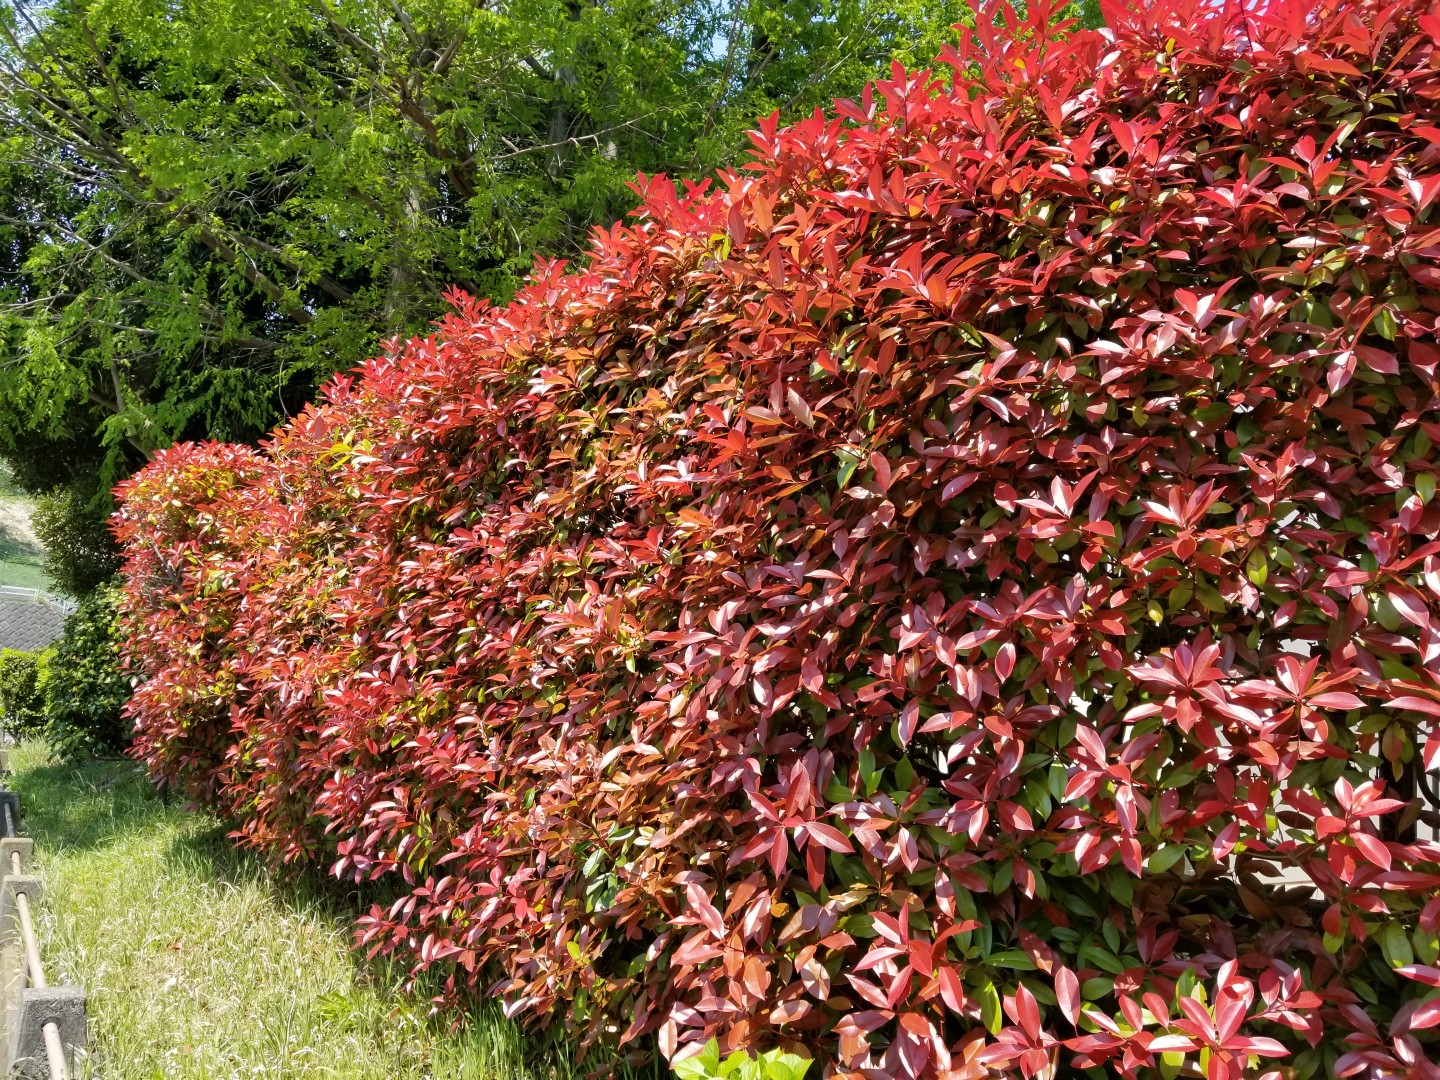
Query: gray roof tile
[29,624]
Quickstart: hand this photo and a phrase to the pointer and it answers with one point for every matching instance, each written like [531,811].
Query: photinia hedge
[961,598]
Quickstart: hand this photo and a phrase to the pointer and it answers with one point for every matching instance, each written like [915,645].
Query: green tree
[207,208]
[80,554]
[81,682]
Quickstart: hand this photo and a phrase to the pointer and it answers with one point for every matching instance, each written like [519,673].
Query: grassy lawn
[198,963]
[22,561]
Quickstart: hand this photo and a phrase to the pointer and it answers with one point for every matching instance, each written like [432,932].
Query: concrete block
[22,844]
[12,800]
[64,1006]
[12,985]
[32,887]
[5,762]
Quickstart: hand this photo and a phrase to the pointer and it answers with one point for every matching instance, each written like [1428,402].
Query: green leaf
[1164,857]
[1257,567]
[704,1066]
[991,1014]
[1425,486]
[1395,945]
[777,1065]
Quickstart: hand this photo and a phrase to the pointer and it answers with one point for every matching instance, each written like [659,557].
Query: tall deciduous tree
[206,208]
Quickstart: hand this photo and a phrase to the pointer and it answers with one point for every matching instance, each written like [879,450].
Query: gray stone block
[33,889]
[5,761]
[64,1006]
[24,845]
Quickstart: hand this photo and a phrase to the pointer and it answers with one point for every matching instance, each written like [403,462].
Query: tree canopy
[208,208]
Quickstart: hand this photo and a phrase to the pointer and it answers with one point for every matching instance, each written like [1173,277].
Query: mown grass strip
[199,964]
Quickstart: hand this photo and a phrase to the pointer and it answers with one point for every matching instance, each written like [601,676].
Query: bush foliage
[964,596]
[80,553]
[22,699]
[84,687]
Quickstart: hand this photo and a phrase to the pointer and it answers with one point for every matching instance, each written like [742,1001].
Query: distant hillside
[22,559]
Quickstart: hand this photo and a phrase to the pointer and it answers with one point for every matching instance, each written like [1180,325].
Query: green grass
[22,563]
[198,963]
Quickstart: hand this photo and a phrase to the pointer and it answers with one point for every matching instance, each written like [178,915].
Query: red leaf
[1027,1012]
[1423,973]
[1067,992]
[1373,849]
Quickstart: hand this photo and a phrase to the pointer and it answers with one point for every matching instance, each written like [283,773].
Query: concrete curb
[63,1006]
[28,1010]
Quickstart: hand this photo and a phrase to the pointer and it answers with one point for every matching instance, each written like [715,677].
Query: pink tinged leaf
[915,1041]
[1167,1044]
[1027,1012]
[1229,1016]
[811,677]
[1125,808]
[957,485]
[788,1012]
[1378,359]
[1198,1016]
[704,910]
[1258,1045]
[869,991]
[1132,855]
[1416,704]
[1421,973]
[816,979]
[696,949]
[762,690]
[828,836]
[1005,661]
[667,1037]
[1327,825]
[1090,740]
[1425,1016]
[1127,134]
[799,408]
[1067,993]
[779,852]
[881,464]
[952,990]
[1225,841]
[1373,848]
[909,720]
[1412,610]
[1337,700]
[1341,369]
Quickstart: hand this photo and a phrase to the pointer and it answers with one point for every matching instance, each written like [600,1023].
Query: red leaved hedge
[963,598]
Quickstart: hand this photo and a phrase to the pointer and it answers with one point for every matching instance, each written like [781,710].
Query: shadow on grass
[94,805]
[85,806]
[548,1054]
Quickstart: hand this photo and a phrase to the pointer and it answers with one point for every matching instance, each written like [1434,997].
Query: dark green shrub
[83,686]
[22,710]
[80,553]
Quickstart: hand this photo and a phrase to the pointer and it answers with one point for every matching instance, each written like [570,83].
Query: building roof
[29,620]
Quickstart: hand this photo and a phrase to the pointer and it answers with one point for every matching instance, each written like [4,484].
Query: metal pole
[54,1049]
[32,948]
[55,1052]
